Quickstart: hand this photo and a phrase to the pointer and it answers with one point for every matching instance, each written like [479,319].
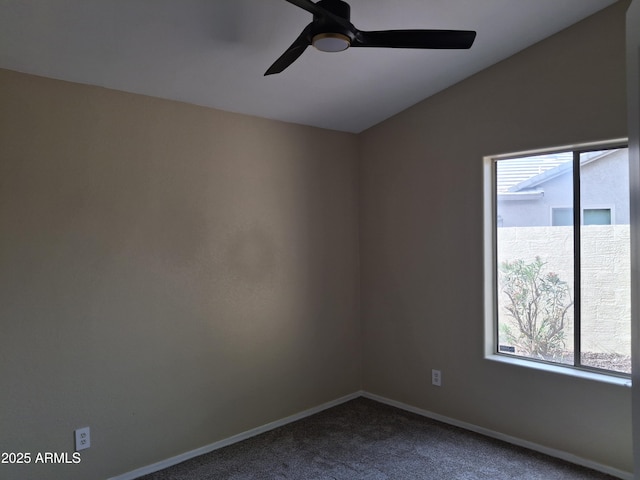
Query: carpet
[366,440]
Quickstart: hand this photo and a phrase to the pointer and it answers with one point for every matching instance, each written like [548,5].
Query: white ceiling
[215,52]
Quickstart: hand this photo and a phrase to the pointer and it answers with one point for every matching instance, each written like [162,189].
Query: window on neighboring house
[560,288]
[563,216]
[596,216]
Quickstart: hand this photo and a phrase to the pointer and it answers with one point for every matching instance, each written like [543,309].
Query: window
[596,216]
[560,280]
[563,216]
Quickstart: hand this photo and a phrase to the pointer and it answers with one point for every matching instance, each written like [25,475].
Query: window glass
[562,217]
[596,216]
[605,261]
[540,314]
[535,259]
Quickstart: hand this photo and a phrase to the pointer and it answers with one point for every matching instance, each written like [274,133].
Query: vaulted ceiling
[214,52]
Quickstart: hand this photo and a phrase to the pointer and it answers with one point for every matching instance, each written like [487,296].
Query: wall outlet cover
[83,438]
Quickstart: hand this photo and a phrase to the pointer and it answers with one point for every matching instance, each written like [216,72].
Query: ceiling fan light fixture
[331,42]
[332,31]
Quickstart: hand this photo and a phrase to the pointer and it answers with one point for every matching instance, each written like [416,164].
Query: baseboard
[506,438]
[231,440]
[425,413]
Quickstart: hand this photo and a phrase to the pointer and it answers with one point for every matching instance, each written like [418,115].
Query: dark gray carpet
[366,440]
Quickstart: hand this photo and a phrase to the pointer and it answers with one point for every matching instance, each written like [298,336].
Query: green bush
[539,303]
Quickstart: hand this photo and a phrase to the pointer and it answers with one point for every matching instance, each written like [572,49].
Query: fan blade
[320,12]
[292,53]
[309,6]
[415,39]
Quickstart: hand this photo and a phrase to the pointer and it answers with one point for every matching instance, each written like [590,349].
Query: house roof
[520,175]
[516,171]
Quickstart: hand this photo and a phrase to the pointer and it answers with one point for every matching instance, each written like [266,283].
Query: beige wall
[173,275]
[169,275]
[422,241]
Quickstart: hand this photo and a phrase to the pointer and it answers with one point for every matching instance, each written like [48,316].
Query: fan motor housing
[323,27]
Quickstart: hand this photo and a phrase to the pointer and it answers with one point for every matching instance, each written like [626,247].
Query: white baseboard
[425,413]
[505,438]
[231,440]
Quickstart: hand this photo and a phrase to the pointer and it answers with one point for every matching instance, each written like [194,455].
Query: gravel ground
[607,361]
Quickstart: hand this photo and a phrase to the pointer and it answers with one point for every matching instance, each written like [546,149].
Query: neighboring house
[537,191]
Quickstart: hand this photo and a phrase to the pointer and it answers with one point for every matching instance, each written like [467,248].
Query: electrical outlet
[436,378]
[83,438]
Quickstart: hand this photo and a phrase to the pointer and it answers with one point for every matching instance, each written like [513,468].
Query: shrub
[539,303]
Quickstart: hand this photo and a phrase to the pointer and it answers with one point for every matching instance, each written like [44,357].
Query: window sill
[561,370]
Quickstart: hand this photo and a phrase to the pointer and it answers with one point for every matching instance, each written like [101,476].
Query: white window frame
[490,271]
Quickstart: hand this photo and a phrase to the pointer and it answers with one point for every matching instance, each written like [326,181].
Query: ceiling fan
[332,31]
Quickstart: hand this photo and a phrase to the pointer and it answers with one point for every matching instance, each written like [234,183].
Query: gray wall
[422,241]
[604,184]
[169,275]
